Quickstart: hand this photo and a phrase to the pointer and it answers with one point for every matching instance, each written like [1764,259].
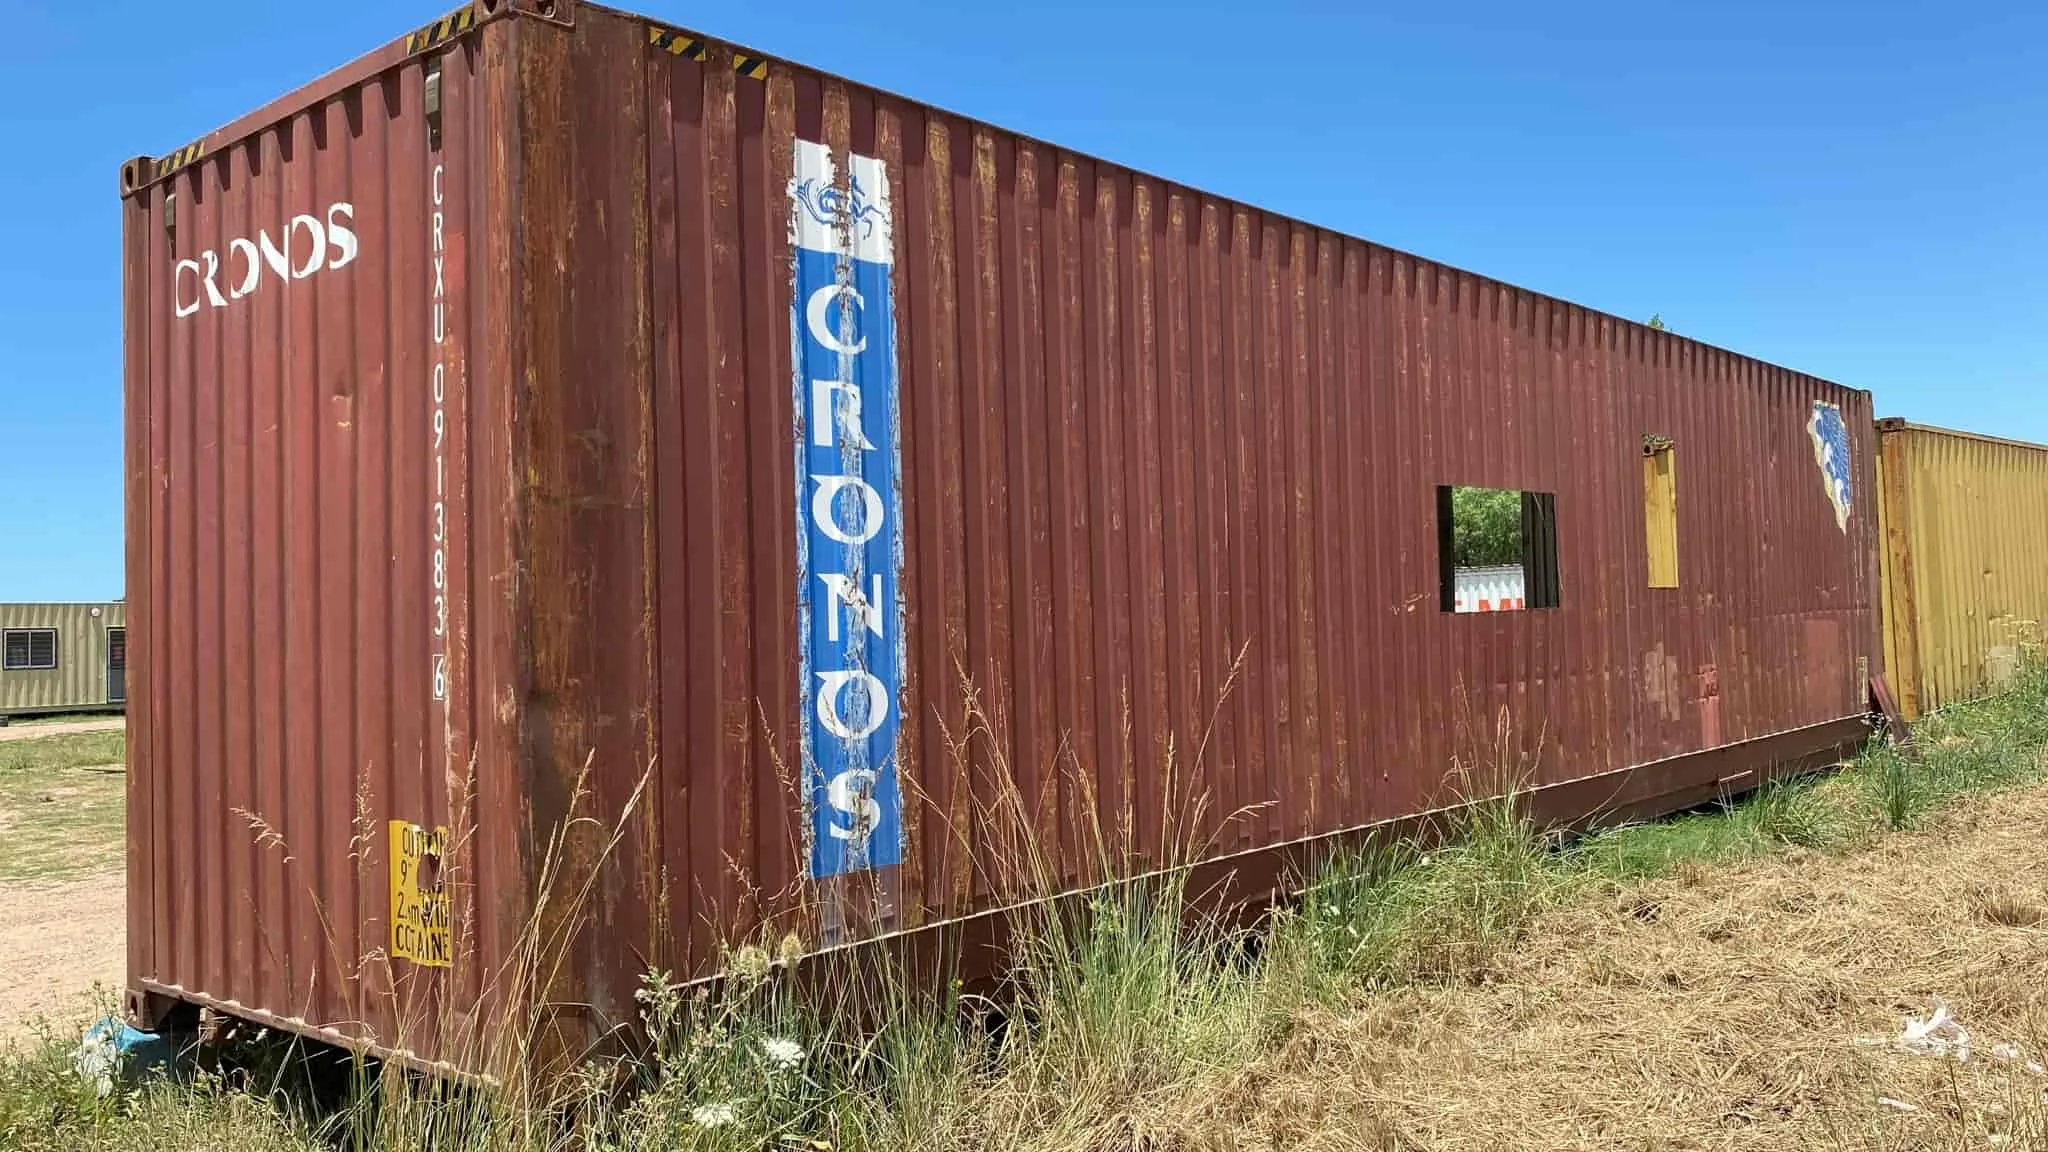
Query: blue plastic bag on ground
[113,1053]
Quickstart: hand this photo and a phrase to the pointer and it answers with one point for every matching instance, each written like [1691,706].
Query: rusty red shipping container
[556,400]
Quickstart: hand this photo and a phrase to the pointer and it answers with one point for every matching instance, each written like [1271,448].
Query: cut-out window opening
[1660,509]
[28,649]
[1496,549]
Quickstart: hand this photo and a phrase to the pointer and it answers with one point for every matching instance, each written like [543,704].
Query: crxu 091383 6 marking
[437,251]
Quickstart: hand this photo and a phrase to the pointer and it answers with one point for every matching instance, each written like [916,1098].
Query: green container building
[63,658]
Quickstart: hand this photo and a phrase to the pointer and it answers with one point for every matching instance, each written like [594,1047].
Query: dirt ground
[56,942]
[1769,1006]
[62,892]
[23,730]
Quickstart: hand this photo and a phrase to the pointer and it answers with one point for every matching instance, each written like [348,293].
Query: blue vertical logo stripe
[849,510]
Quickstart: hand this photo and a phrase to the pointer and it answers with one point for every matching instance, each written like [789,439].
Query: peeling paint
[1830,438]
[851,613]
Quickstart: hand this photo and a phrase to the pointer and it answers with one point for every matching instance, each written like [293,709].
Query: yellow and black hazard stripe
[166,165]
[441,31]
[690,47]
[676,43]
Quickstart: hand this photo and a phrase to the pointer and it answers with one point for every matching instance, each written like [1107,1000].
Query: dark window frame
[1540,581]
[28,664]
[1541,588]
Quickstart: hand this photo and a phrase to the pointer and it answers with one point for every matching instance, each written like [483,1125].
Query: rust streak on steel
[468,392]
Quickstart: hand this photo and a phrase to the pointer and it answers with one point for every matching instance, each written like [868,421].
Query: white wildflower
[714,1115]
[782,1053]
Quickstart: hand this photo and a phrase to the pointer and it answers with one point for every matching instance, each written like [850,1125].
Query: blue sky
[1859,191]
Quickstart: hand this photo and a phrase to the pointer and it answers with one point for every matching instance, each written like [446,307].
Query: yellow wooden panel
[1660,514]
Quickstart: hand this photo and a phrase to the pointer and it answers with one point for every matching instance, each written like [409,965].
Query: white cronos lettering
[304,245]
[850,609]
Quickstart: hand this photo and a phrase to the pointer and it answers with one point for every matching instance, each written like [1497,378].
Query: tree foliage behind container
[1487,527]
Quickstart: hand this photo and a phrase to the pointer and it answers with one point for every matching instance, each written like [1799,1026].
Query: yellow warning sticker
[419,899]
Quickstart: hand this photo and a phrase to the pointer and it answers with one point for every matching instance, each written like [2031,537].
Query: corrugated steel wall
[80,678]
[302,344]
[1966,528]
[1168,491]
[1146,430]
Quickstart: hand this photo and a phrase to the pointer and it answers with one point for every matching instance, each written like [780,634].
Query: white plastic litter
[1941,1034]
[2012,1055]
[1896,1105]
[96,1061]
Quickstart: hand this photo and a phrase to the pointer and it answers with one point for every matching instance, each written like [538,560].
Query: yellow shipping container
[1965,527]
[62,658]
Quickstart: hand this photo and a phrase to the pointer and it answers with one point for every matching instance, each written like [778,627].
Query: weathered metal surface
[299,324]
[1145,430]
[1965,530]
[74,675]
[1164,470]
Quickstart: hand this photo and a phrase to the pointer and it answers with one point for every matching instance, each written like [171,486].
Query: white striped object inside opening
[1498,588]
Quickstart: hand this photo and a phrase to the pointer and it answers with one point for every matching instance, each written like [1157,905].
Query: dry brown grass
[1751,1007]
[1737,980]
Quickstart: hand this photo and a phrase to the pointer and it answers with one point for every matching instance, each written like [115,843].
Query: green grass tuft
[1114,1002]
[46,1107]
